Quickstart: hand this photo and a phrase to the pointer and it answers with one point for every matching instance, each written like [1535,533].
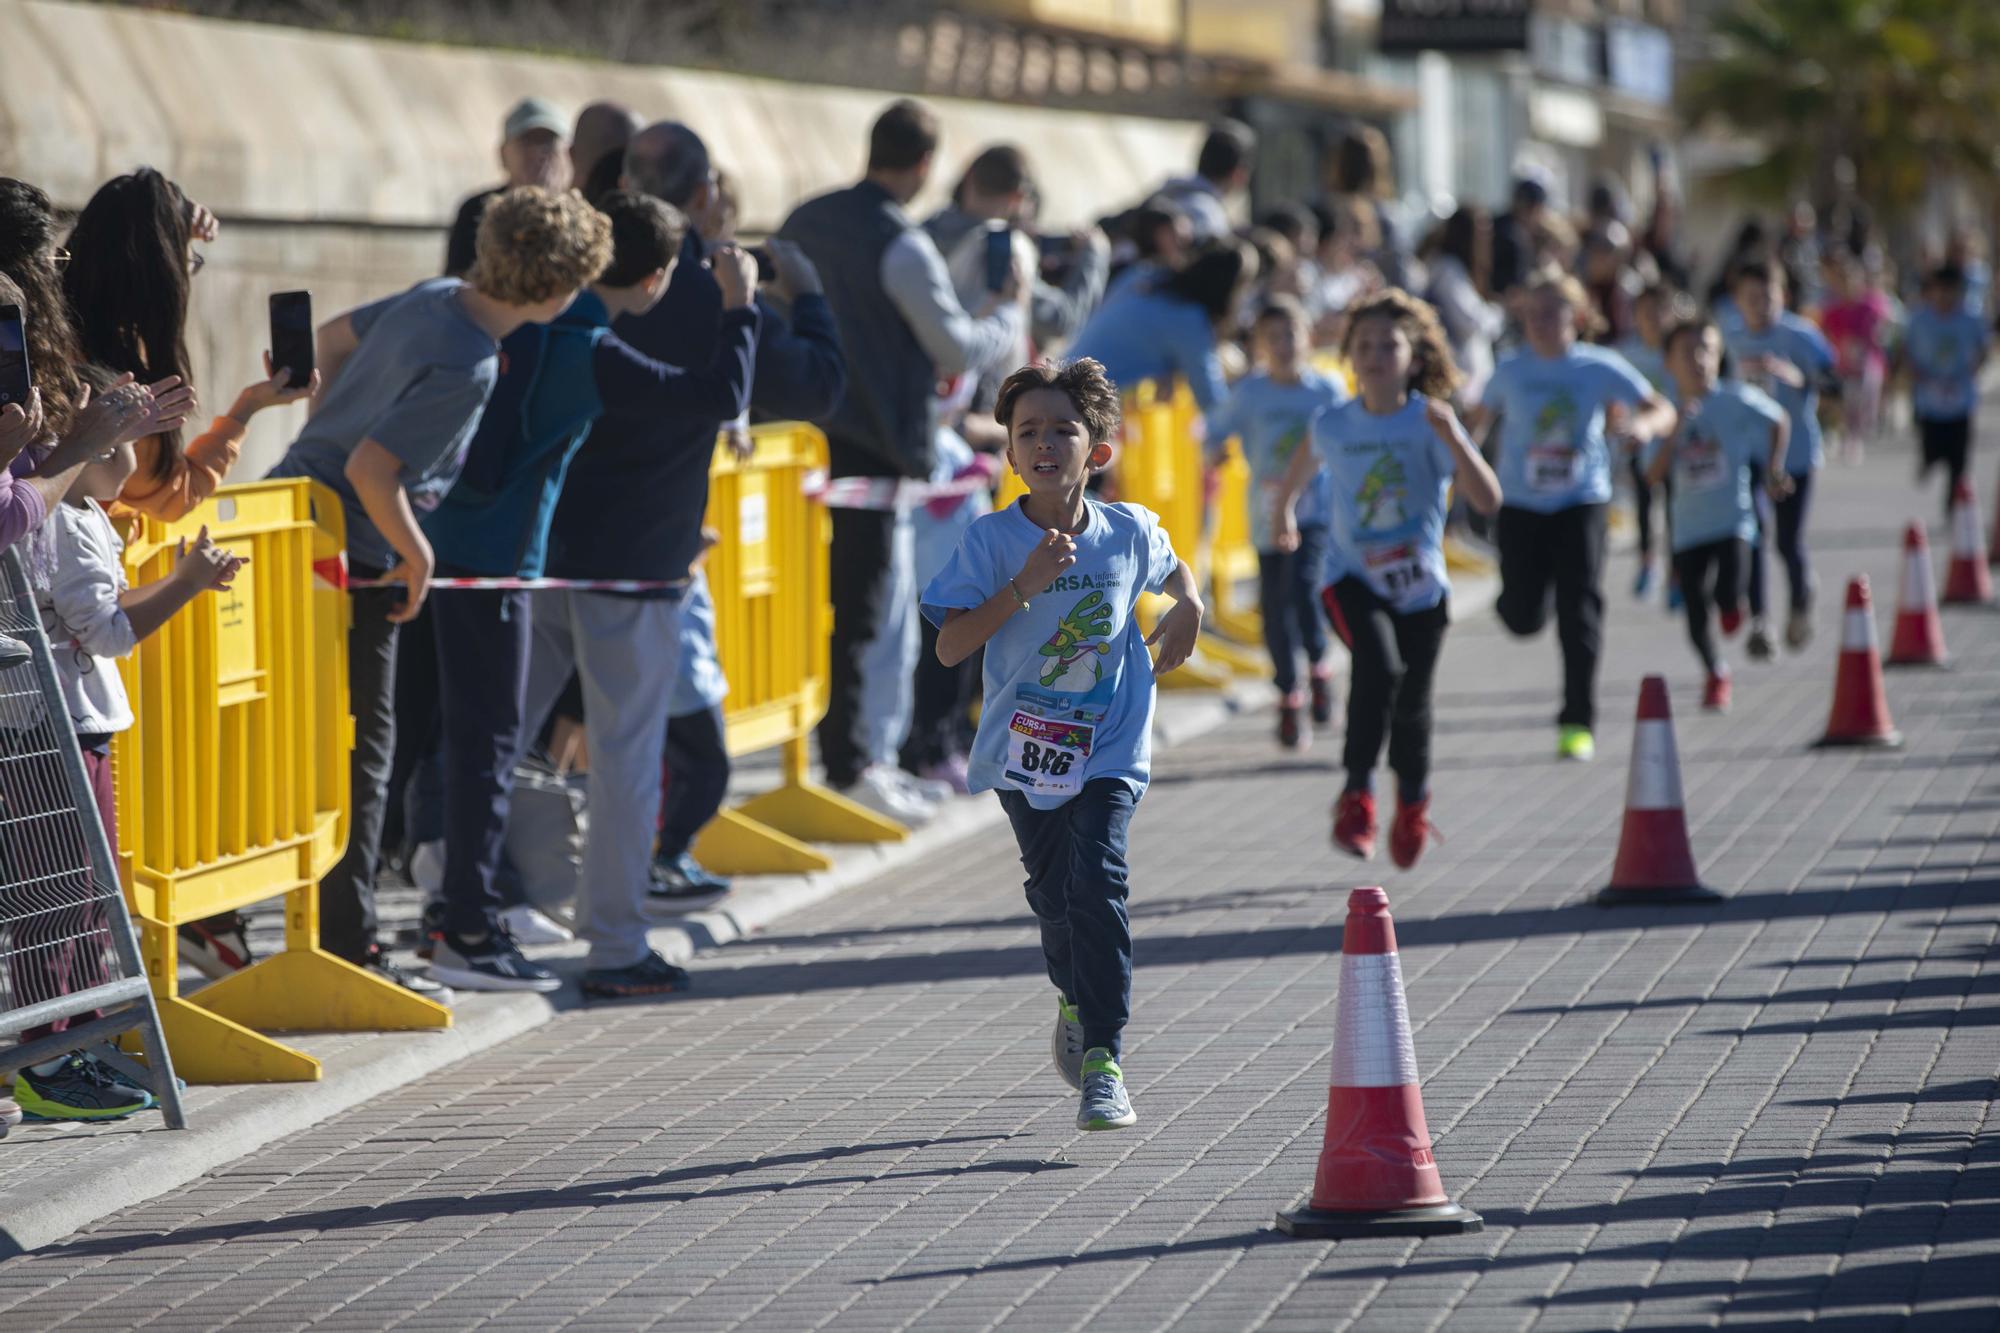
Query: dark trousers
[1077,885]
[1289,595]
[347,919]
[415,803]
[1947,442]
[1788,518]
[61,933]
[1711,577]
[861,555]
[482,661]
[941,707]
[1642,501]
[697,778]
[1395,658]
[1561,552]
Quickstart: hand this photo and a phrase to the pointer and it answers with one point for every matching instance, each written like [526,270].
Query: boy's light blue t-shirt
[1944,352]
[1389,478]
[699,683]
[1068,682]
[1271,420]
[1650,362]
[1723,454]
[1552,450]
[1800,342]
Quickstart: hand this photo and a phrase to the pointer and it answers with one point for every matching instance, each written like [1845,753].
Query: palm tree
[1878,97]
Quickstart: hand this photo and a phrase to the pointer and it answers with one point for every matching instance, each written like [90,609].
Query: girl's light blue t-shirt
[1552,449]
[1800,342]
[1724,449]
[1271,420]
[1944,352]
[1389,478]
[1650,362]
[1068,682]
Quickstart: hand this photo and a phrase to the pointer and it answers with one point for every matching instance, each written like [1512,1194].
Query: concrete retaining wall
[336,162]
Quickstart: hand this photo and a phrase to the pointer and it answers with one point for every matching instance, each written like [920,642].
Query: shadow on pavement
[1969,988]
[1243,1240]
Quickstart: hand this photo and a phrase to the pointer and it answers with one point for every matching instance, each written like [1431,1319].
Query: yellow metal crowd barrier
[233,784]
[773,630]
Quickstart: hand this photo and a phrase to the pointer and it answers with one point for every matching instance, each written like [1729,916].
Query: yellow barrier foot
[1252,662]
[1200,672]
[208,1048]
[309,990]
[811,813]
[1243,628]
[734,844]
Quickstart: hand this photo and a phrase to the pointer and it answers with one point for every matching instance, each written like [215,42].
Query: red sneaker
[1322,699]
[1731,622]
[1292,733]
[1715,695]
[1354,824]
[1410,832]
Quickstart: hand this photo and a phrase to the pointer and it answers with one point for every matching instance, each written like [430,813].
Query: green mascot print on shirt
[1379,503]
[1073,666]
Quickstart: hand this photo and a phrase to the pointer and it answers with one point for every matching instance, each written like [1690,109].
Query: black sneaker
[430,928]
[491,962]
[218,946]
[79,1089]
[651,975]
[684,877]
[1322,700]
[387,968]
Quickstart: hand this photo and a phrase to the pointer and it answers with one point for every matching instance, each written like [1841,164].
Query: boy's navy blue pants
[1289,587]
[1077,884]
[482,652]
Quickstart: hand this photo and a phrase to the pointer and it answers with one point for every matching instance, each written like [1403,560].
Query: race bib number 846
[1047,756]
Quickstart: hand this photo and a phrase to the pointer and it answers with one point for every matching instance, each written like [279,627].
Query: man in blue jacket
[560,379]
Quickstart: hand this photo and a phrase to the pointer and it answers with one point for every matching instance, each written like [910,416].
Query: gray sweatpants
[626,651]
[889,659]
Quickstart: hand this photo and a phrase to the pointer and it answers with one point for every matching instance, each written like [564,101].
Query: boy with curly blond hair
[404,382]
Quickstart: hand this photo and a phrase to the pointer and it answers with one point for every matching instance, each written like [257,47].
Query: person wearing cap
[534,150]
[1514,231]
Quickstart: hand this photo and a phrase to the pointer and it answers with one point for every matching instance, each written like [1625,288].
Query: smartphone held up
[292,336]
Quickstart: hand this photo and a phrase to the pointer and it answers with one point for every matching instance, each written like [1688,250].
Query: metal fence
[70,975]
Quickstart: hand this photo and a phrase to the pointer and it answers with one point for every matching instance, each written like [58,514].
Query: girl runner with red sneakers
[1391,456]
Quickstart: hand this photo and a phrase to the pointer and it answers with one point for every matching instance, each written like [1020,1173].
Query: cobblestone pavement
[1769,1110]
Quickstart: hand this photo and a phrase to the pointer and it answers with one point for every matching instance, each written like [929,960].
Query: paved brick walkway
[1772,1110]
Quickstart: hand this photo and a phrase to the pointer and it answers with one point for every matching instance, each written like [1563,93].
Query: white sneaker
[877,790]
[928,790]
[530,925]
[427,867]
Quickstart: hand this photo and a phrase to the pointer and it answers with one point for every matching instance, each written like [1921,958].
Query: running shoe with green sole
[1575,743]
[1105,1105]
[81,1089]
[1067,1044]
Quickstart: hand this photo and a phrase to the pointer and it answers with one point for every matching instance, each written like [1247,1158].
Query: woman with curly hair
[1391,455]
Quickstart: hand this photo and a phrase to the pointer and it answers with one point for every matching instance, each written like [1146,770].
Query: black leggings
[697,773]
[1710,573]
[1395,662]
[1788,517]
[1945,442]
[1642,501]
[1563,553]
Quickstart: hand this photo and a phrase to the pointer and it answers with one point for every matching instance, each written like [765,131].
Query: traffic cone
[1966,582]
[1919,636]
[1376,1176]
[1860,713]
[1655,863]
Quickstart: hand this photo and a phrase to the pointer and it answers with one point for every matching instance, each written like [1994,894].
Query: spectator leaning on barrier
[1221,172]
[78,573]
[406,379]
[534,150]
[892,295]
[560,378]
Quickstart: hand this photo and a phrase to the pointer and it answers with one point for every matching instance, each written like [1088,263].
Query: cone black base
[1892,741]
[1613,896]
[1444,1219]
[1889,665]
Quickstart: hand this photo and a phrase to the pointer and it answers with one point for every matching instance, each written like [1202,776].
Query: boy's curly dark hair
[1083,379]
[1433,373]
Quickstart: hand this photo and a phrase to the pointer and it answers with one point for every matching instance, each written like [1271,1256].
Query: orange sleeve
[194,476]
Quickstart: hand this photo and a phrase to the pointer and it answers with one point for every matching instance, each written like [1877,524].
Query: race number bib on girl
[1554,468]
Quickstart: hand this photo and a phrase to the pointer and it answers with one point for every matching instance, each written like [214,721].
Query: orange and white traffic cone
[1919,636]
[1967,582]
[1860,713]
[1655,861]
[1377,1176]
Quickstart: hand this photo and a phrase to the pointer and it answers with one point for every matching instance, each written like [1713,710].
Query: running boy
[405,382]
[1645,349]
[1048,586]
[1945,346]
[1391,456]
[1271,413]
[1788,358]
[1550,401]
[1728,431]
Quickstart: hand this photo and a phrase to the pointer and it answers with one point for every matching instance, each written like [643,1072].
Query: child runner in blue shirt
[1728,433]
[1645,349]
[1788,358]
[1391,456]
[1271,414]
[1048,586]
[1945,345]
[1555,466]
